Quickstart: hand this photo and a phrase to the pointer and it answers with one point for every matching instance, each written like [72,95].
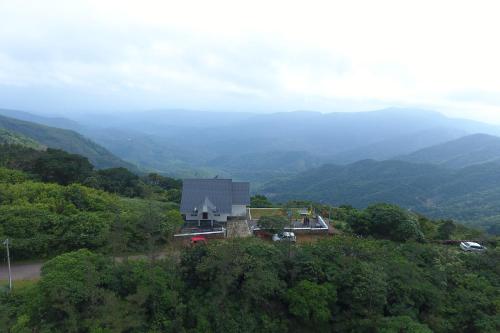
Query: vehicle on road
[284,236]
[472,247]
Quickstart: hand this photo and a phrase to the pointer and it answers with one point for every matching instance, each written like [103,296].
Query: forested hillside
[469,195]
[63,139]
[11,138]
[459,153]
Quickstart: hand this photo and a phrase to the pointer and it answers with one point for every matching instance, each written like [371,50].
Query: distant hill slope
[11,138]
[58,122]
[64,139]
[459,153]
[469,195]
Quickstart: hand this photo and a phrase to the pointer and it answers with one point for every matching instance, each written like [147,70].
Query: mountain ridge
[469,150]
[64,139]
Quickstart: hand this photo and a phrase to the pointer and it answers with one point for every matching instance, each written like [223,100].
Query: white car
[284,236]
[471,246]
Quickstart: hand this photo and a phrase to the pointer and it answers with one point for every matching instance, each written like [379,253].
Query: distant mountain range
[418,159]
[187,143]
[15,131]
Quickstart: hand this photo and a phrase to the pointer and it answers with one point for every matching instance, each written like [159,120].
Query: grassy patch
[257,213]
[18,284]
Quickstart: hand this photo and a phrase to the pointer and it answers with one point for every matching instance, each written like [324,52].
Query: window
[205,216]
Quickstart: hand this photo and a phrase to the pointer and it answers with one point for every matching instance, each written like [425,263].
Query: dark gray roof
[241,193]
[222,193]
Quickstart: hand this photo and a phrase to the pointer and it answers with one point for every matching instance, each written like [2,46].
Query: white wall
[239,210]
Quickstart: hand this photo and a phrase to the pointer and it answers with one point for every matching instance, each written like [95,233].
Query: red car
[198,240]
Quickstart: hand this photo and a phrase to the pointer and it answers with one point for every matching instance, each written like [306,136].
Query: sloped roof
[241,193]
[221,193]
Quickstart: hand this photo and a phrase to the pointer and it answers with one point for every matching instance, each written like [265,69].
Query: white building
[214,200]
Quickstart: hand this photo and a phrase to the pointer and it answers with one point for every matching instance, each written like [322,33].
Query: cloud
[259,55]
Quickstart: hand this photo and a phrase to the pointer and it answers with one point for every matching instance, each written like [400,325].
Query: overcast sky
[65,56]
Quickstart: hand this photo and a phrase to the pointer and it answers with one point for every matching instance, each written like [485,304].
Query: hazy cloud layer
[255,55]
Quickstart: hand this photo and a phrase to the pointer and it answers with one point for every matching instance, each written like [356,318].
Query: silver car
[284,236]
[472,247]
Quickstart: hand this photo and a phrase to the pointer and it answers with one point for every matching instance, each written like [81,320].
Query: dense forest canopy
[247,285]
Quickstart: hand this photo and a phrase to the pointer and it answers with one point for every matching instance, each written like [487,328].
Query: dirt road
[27,271]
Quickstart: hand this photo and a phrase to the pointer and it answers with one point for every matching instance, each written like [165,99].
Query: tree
[68,290]
[260,201]
[446,229]
[8,176]
[173,221]
[165,183]
[386,221]
[273,224]
[61,167]
[402,324]
[119,181]
[310,302]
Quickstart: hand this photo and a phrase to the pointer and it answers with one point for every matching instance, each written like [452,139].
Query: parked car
[198,240]
[471,246]
[284,236]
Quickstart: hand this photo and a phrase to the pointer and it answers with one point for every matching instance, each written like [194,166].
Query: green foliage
[44,219]
[386,221]
[166,183]
[119,181]
[446,229]
[273,224]
[260,201]
[11,138]
[340,284]
[18,157]
[143,225]
[310,302]
[402,324]
[8,176]
[60,167]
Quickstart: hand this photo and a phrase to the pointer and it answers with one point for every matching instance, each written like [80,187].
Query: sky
[260,56]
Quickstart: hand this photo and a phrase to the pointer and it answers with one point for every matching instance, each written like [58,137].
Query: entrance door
[205,216]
